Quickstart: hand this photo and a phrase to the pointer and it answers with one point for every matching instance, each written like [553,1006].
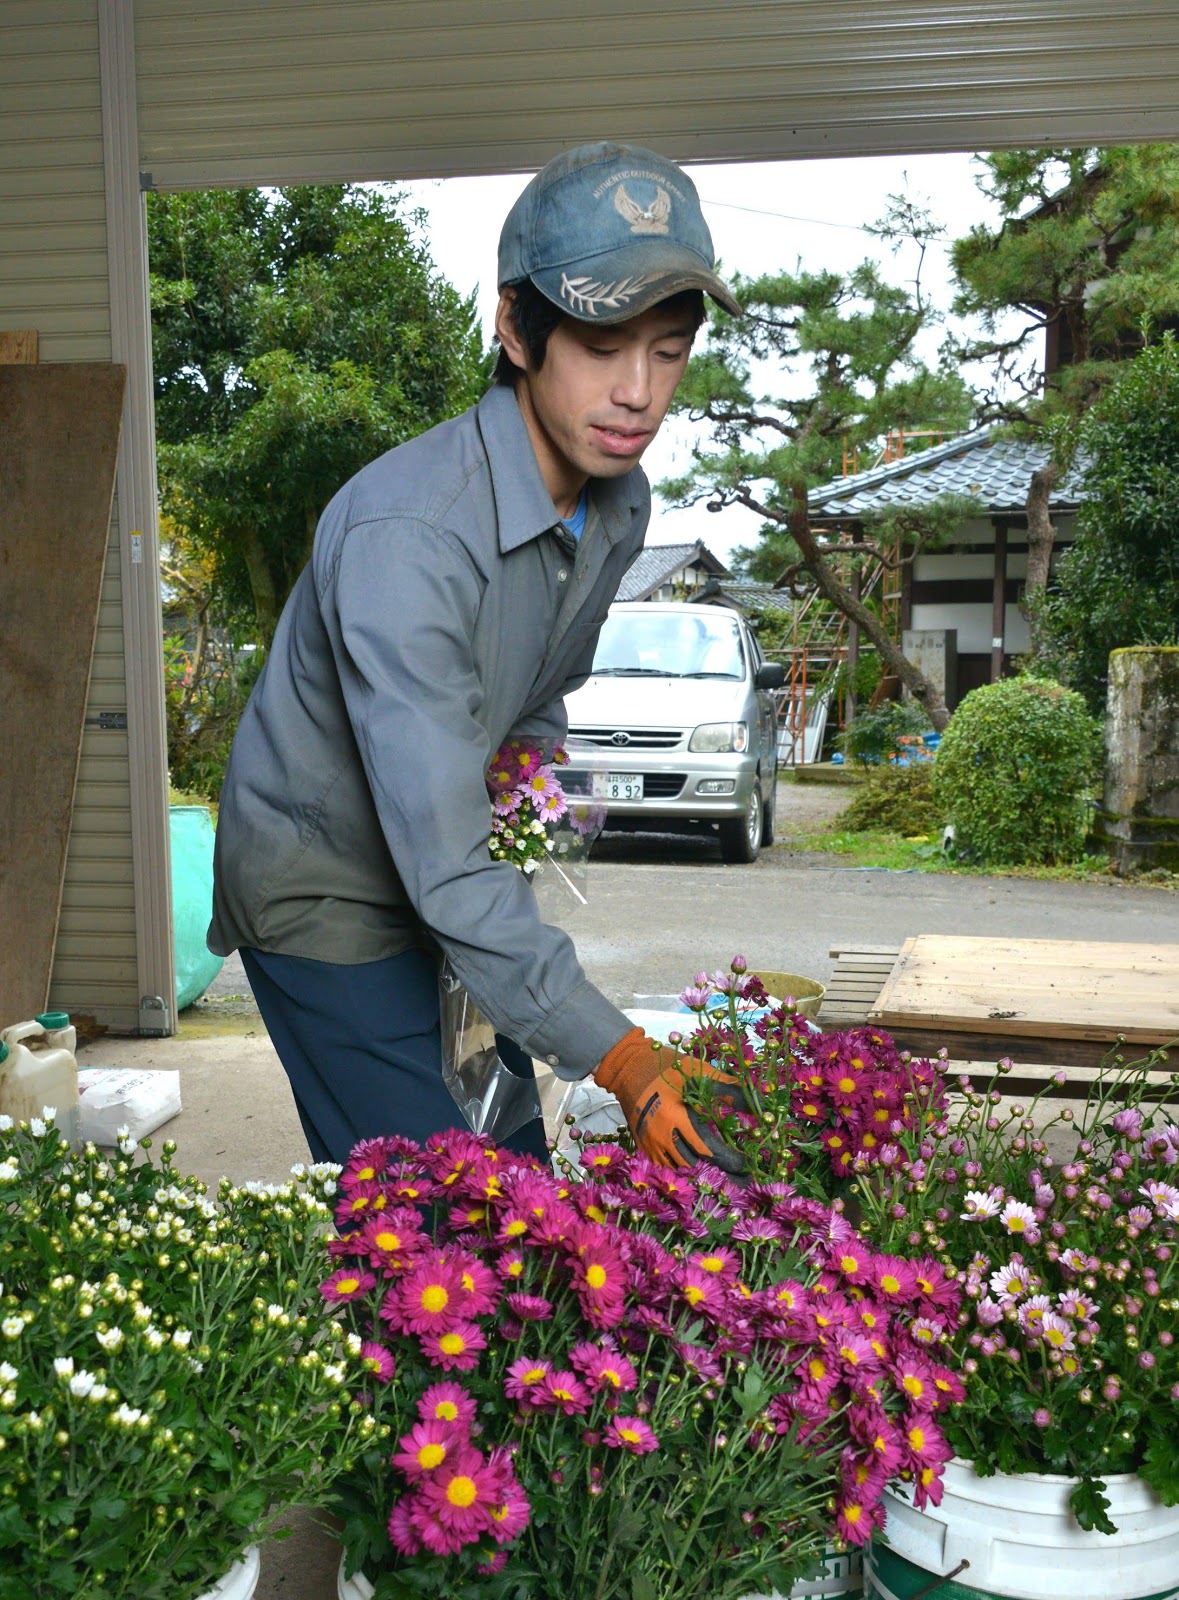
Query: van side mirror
[770,675]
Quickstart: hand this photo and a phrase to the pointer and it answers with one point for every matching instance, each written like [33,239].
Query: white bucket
[1023,1543]
[240,1581]
[357,1588]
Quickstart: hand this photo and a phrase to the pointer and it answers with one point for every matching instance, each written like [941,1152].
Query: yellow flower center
[596,1276]
[889,1284]
[386,1240]
[366,1173]
[434,1298]
[913,1385]
[562,1394]
[595,1213]
[612,1376]
[534,1375]
[693,1294]
[817,1368]
[446,1411]
[848,1263]
[917,1438]
[461,1490]
[347,1285]
[431,1456]
[631,1435]
[712,1263]
[516,1228]
[852,1514]
[847,1085]
[600,1161]
[452,1344]
[1016,1224]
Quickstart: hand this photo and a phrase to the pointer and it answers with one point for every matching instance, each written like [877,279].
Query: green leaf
[107,1507]
[1091,1505]
[641,1587]
[1160,1468]
[14,1530]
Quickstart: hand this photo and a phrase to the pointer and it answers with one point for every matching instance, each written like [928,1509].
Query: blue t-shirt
[576,523]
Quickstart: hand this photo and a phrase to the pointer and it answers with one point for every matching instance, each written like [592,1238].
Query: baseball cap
[607,230]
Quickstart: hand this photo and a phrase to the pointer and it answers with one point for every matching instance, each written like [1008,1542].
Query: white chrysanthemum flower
[125,1416]
[8,1373]
[978,1206]
[1017,1217]
[98,1393]
[81,1384]
[109,1338]
[64,1366]
[37,1127]
[6,1123]
[140,1313]
[182,1338]
[83,1200]
[8,1171]
[7,1399]
[154,1339]
[334,1371]
[127,1146]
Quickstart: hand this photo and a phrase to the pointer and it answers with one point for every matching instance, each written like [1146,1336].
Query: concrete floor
[659,909]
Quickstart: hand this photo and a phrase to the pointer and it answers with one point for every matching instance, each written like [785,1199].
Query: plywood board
[59,438]
[20,345]
[1050,989]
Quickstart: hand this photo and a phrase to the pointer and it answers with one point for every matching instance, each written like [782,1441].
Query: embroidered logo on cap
[653,219]
[587,296]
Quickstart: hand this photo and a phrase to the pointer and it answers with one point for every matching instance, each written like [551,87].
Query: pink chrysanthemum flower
[700,1290]
[368,1161]
[894,1279]
[530,1307]
[459,1498]
[377,1361]
[857,1518]
[391,1237]
[426,1448]
[1056,1332]
[454,1349]
[427,1299]
[402,1534]
[915,1380]
[552,807]
[923,1443]
[511,1265]
[1011,1282]
[562,1391]
[699,1363]
[349,1283]
[524,1379]
[630,1433]
[447,1403]
[604,1369]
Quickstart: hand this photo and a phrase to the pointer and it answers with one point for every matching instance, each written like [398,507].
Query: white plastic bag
[124,1097]
[493,1099]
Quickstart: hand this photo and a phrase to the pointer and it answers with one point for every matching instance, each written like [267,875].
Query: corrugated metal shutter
[53,277]
[265,91]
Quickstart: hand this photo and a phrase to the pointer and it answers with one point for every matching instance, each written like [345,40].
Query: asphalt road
[660,908]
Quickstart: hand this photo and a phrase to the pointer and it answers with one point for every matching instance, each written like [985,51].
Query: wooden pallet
[861,975]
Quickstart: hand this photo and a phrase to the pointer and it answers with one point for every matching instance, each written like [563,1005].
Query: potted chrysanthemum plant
[648,1382]
[1062,1231]
[169,1386]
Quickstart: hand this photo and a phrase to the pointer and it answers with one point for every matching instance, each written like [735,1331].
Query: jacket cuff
[574,1037]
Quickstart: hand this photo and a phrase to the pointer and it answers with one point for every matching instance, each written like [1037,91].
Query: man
[454,595]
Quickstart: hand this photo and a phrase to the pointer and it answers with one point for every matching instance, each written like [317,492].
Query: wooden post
[853,651]
[999,602]
[20,347]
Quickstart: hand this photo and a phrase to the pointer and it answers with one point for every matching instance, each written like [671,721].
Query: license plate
[618,786]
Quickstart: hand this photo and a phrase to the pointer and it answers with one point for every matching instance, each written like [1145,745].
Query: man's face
[601,395]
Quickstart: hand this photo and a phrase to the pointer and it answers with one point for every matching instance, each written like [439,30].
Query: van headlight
[714,738]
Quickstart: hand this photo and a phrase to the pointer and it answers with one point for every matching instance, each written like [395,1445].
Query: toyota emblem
[620,738]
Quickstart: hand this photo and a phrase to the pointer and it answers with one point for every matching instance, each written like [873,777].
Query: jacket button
[553,1061]
[562,575]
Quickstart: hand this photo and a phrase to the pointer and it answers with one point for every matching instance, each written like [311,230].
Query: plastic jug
[38,1069]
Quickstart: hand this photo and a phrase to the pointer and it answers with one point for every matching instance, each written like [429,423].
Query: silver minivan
[676,728]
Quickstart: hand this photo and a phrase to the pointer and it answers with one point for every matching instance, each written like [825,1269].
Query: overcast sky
[764,217]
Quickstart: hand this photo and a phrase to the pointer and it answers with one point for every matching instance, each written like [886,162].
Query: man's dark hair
[535,316]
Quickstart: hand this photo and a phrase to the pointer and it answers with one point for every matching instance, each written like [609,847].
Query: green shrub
[897,800]
[1014,772]
[876,736]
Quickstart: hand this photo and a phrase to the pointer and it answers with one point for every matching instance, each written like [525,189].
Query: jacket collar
[523,506]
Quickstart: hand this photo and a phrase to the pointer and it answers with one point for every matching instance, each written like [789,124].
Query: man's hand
[649,1080]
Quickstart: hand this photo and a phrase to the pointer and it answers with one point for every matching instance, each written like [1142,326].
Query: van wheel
[740,837]
[771,812]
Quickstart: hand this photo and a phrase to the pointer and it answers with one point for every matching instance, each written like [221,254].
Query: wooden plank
[837,950]
[19,347]
[1012,989]
[59,436]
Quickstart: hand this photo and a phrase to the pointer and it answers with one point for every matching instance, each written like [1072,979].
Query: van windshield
[699,644]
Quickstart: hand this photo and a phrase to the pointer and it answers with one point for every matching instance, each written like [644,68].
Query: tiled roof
[996,471]
[659,562]
[747,595]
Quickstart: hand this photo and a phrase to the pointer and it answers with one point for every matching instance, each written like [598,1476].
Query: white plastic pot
[1022,1542]
[240,1581]
[357,1588]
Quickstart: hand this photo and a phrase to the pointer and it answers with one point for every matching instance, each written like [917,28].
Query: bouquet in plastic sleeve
[546,834]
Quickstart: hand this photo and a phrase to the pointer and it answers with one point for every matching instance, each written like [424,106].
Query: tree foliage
[297,334]
[1087,245]
[1119,583]
[841,354]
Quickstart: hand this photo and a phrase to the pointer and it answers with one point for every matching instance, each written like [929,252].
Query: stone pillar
[934,651]
[1140,810]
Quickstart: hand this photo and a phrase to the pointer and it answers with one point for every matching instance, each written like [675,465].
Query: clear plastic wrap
[493,1099]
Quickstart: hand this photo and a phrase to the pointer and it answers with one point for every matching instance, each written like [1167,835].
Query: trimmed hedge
[1014,772]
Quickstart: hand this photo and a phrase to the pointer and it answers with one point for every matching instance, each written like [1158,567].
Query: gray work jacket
[440,613]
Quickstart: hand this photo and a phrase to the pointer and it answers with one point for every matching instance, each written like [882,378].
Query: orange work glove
[648,1080]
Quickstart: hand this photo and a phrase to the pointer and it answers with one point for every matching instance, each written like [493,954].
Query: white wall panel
[53,277]
[264,91]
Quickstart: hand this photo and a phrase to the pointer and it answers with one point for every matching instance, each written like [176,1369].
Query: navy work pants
[362,1049]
